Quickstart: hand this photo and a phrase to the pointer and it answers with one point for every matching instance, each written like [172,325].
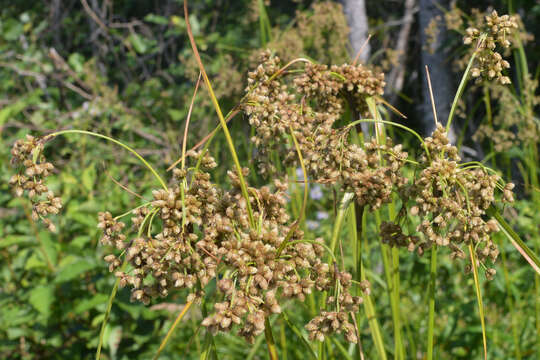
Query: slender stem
[304,203]
[357,218]
[222,121]
[400,352]
[186,129]
[73,131]
[344,204]
[298,333]
[462,84]
[272,351]
[393,124]
[108,311]
[171,330]
[479,298]
[510,302]
[431,316]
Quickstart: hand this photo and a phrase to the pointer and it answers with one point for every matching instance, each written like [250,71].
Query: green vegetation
[223,180]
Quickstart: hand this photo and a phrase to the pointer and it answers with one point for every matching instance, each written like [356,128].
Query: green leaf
[195,25]
[88,177]
[12,29]
[49,246]
[9,111]
[16,240]
[138,43]
[80,241]
[91,303]
[76,61]
[175,114]
[156,19]
[71,271]
[35,261]
[86,219]
[41,299]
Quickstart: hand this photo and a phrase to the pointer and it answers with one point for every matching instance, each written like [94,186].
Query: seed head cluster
[451,200]
[337,320]
[205,234]
[309,109]
[496,29]
[32,171]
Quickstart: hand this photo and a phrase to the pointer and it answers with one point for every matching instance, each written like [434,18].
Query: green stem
[511,235]
[298,333]
[357,218]
[511,304]
[272,351]
[343,205]
[479,298]
[108,311]
[431,316]
[393,124]
[461,87]
[171,330]
[73,131]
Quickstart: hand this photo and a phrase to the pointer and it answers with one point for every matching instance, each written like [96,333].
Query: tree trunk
[355,11]
[439,68]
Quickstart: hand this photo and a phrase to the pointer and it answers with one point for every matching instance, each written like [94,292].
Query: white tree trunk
[355,11]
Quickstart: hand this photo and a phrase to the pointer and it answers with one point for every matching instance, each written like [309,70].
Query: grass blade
[310,352]
[171,330]
[523,249]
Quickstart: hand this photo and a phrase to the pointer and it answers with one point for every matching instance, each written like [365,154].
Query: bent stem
[171,330]
[272,351]
[431,316]
[73,131]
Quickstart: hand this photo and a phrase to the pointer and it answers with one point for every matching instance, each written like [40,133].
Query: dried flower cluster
[451,200]
[497,29]
[489,63]
[32,171]
[337,321]
[308,109]
[206,230]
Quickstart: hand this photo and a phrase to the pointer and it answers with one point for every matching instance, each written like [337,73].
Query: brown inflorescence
[496,29]
[309,109]
[32,171]
[206,234]
[451,200]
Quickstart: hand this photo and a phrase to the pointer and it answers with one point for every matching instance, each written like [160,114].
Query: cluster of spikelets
[308,109]
[32,171]
[205,234]
[195,232]
[450,200]
[496,29]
